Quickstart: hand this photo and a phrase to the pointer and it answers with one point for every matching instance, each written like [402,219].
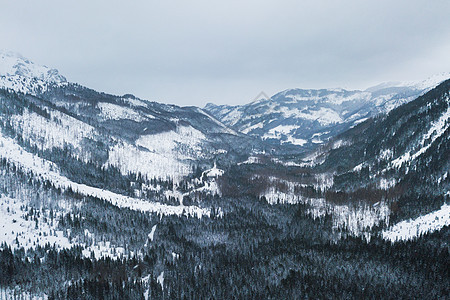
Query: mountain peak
[14,64]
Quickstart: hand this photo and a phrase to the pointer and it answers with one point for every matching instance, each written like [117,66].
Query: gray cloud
[191,52]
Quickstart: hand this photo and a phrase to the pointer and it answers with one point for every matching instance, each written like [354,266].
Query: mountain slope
[65,148]
[405,153]
[412,140]
[133,135]
[384,170]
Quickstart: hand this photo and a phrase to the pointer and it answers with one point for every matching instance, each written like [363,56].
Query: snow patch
[160,279]
[163,155]
[109,111]
[414,228]
[18,231]
[151,235]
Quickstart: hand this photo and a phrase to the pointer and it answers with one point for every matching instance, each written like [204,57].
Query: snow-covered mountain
[405,154]
[81,135]
[22,75]
[311,117]
[411,140]
[135,135]
[389,168]
[121,149]
[130,153]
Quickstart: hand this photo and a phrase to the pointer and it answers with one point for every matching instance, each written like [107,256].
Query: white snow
[151,235]
[295,141]
[185,137]
[320,134]
[103,249]
[356,219]
[145,281]
[325,116]
[252,127]
[232,117]
[225,129]
[287,194]
[385,184]
[251,160]
[135,102]
[286,163]
[426,84]
[213,172]
[414,228]
[210,187]
[386,154]
[336,96]
[220,151]
[360,121]
[431,81]
[160,279]
[323,181]
[175,256]
[340,143]
[18,232]
[109,111]
[358,167]
[163,155]
[282,131]
[14,64]
[58,131]
[18,293]
[316,140]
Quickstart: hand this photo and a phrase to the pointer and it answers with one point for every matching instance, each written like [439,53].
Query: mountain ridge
[307,118]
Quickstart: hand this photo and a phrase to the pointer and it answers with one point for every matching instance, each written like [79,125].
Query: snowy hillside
[413,229]
[408,141]
[46,170]
[161,155]
[388,169]
[133,135]
[426,84]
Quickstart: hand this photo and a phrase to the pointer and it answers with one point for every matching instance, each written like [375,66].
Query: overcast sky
[194,52]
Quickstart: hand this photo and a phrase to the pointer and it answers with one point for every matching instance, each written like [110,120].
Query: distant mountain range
[307,118]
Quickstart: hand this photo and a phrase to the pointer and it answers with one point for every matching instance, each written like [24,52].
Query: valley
[309,194]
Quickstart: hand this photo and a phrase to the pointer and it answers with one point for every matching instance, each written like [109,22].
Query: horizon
[226,53]
[261,95]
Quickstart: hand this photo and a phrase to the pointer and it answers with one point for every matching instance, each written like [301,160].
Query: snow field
[414,228]
[164,155]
